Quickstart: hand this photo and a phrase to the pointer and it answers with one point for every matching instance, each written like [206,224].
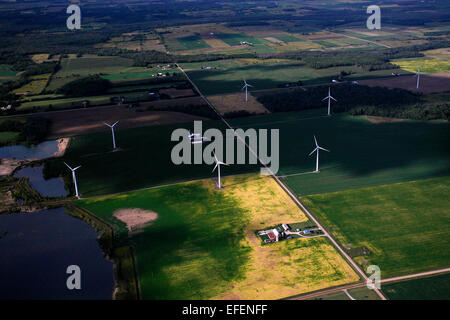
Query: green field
[363,154]
[143,161]
[430,288]
[73,68]
[193,42]
[405,225]
[203,246]
[229,75]
[9,137]
[234,39]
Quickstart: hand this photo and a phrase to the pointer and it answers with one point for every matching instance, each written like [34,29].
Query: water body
[48,188]
[41,151]
[38,248]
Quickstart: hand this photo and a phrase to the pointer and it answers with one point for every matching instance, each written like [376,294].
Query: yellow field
[36,86]
[286,268]
[235,102]
[215,42]
[40,58]
[425,65]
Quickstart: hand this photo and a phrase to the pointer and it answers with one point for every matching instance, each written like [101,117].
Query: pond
[48,188]
[36,249]
[41,151]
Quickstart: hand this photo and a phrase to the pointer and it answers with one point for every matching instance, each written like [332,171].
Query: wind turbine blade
[315,140]
[324,149]
[324,98]
[333,98]
[215,167]
[107,124]
[115,123]
[243,87]
[249,85]
[312,152]
[68,166]
[77,168]
[215,158]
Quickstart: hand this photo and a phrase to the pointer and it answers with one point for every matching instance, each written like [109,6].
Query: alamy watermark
[74,20]
[374,21]
[374,280]
[237,144]
[74,280]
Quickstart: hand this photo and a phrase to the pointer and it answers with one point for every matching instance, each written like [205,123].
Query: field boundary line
[363,40]
[356,267]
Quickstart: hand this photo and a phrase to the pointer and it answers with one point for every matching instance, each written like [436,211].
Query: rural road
[286,189]
[359,285]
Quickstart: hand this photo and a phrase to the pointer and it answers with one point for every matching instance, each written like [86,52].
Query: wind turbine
[218,164]
[317,149]
[246,85]
[418,77]
[112,131]
[329,97]
[74,177]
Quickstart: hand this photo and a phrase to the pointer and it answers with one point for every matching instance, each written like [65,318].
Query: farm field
[430,288]
[226,76]
[363,153]
[429,83]
[398,151]
[144,159]
[398,223]
[73,68]
[231,263]
[6,74]
[236,102]
[425,65]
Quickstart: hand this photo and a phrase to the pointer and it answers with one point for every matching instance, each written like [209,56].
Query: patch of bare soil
[62,146]
[7,166]
[177,93]
[429,83]
[81,121]
[236,102]
[378,120]
[135,218]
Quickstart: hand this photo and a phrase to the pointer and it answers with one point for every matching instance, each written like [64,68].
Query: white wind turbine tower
[418,73]
[74,177]
[329,97]
[218,164]
[112,131]
[317,149]
[246,85]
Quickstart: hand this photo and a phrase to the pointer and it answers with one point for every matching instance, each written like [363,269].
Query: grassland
[207,248]
[405,225]
[430,288]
